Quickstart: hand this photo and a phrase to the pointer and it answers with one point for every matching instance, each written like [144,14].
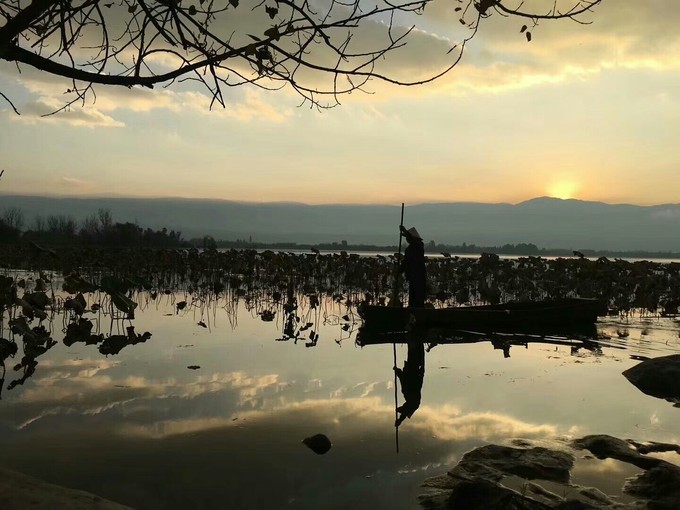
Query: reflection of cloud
[368,389]
[671,457]
[86,387]
[596,466]
[360,390]
[446,423]
[316,410]
[450,423]
[314,385]
[52,370]
[65,385]
[92,387]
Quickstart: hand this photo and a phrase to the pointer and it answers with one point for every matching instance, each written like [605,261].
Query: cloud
[255,107]
[111,99]
[46,95]
[624,36]
[73,183]
[247,105]
[39,110]
[373,34]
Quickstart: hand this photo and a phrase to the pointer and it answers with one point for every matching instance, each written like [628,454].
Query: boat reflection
[584,338]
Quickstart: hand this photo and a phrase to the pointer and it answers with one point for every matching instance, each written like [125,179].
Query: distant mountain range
[546,222]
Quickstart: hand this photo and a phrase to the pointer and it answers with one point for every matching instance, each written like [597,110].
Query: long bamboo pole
[397,273]
[393,302]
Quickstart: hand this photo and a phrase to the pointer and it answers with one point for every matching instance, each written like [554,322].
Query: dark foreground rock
[495,462]
[658,377]
[20,492]
[483,494]
[484,478]
[609,447]
[660,484]
[318,443]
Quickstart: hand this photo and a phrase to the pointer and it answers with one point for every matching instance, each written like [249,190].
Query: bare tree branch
[321,51]
[11,104]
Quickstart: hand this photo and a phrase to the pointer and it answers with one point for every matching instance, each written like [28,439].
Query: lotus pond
[194,388]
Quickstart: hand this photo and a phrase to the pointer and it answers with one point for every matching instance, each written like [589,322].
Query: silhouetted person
[414,267]
[411,379]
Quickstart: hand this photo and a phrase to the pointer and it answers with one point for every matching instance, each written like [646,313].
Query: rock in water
[19,491]
[318,443]
[658,377]
[494,462]
[484,495]
[476,482]
[660,483]
[609,447]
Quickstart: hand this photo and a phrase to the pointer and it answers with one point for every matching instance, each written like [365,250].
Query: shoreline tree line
[100,229]
[96,229]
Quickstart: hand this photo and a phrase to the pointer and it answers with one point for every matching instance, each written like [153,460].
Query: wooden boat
[586,339]
[563,314]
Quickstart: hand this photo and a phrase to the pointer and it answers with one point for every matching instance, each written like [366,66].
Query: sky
[586,111]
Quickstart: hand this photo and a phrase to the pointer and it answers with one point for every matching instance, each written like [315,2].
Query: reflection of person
[411,379]
[504,345]
[414,267]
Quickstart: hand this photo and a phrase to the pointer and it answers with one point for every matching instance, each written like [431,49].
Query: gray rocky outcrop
[495,477]
[20,492]
[494,462]
[658,377]
[482,494]
[609,447]
[660,484]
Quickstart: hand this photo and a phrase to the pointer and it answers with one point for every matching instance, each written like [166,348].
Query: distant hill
[546,222]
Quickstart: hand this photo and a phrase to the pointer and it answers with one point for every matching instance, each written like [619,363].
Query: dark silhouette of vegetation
[299,291]
[11,221]
[624,286]
[7,233]
[321,50]
[99,229]
[447,250]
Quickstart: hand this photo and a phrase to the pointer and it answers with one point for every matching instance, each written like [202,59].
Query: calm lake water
[436,255]
[142,429]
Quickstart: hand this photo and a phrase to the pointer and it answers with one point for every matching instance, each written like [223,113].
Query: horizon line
[345,204]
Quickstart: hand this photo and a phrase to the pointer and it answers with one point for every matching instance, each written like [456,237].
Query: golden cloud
[446,422]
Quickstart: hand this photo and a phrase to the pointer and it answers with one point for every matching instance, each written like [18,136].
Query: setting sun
[562,189]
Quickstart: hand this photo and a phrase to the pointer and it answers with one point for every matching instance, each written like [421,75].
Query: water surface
[142,429]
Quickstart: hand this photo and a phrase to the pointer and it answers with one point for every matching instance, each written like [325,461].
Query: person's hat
[414,233]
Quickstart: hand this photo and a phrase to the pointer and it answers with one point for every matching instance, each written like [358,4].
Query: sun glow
[562,189]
